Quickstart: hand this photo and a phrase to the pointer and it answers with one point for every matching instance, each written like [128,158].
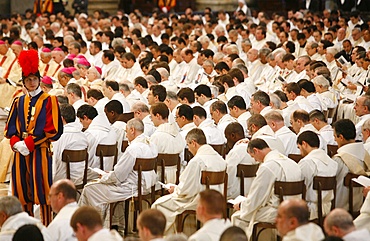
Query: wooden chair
[103,150]
[124,146]
[221,149]
[208,178]
[168,160]
[351,184]
[127,116]
[188,155]
[332,150]
[281,189]
[245,171]
[295,157]
[74,156]
[331,113]
[141,165]
[324,184]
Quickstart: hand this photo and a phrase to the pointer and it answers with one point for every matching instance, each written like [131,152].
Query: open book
[238,199]
[97,170]
[167,186]
[364,181]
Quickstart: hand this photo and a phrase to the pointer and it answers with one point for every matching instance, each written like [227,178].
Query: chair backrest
[332,150]
[221,149]
[103,150]
[127,116]
[324,184]
[169,160]
[187,155]
[348,182]
[73,156]
[331,112]
[144,165]
[245,171]
[295,157]
[124,146]
[289,189]
[210,178]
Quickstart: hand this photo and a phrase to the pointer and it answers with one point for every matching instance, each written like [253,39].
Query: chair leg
[127,211]
[254,233]
[111,210]
[180,223]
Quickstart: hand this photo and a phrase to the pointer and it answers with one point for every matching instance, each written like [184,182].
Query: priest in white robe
[184,196]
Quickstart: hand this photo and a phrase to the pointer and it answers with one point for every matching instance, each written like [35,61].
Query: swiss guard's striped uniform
[37,121]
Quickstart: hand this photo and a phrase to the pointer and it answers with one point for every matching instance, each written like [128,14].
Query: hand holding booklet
[168,185]
[97,170]
[364,181]
[238,199]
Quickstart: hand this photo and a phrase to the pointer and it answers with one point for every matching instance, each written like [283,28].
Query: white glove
[21,147]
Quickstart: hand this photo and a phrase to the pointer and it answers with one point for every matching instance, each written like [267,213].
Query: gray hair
[176,237]
[140,106]
[137,124]
[264,51]
[171,95]
[117,42]
[10,205]
[95,71]
[321,80]
[274,98]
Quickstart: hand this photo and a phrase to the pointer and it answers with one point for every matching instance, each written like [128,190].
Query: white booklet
[364,181]
[238,199]
[168,185]
[97,170]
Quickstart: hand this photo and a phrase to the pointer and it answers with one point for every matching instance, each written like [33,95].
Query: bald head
[292,213]
[338,223]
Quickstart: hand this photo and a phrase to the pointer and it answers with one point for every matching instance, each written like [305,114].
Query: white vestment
[357,235]
[317,163]
[267,134]
[121,98]
[71,139]
[310,127]
[106,235]
[238,155]
[14,222]
[121,183]
[242,120]
[149,127]
[327,133]
[100,105]
[168,140]
[100,132]
[289,140]
[359,126]
[119,127]
[185,195]
[363,220]
[60,228]
[355,153]
[261,203]
[224,122]
[211,230]
[213,135]
[306,232]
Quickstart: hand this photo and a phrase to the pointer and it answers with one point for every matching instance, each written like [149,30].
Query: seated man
[261,204]
[351,158]
[315,162]
[258,128]
[184,119]
[238,110]
[98,131]
[292,222]
[71,139]
[141,111]
[167,137]
[120,184]
[13,217]
[213,135]
[184,196]
[289,139]
[151,224]
[219,114]
[363,220]
[237,155]
[63,196]
[317,119]
[339,223]
[87,224]
[210,210]
[114,112]
[300,121]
